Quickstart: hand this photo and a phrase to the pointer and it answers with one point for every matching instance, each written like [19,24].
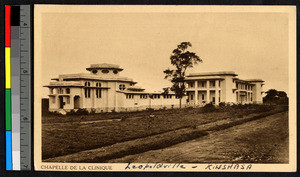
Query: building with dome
[102,89]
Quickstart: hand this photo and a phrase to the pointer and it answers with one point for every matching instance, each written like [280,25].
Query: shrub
[93,111]
[222,104]
[78,112]
[149,109]
[209,108]
[49,113]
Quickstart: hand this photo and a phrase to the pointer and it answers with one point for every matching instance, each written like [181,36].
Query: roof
[104,66]
[64,83]
[89,76]
[220,73]
[135,88]
[255,80]
[248,80]
[204,78]
[145,92]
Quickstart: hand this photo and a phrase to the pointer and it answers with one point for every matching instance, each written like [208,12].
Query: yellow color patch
[7,68]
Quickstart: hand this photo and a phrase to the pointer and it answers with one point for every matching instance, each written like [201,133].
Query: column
[217,92]
[196,92]
[207,92]
[71,101]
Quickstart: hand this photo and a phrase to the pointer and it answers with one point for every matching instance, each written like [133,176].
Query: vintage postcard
[165,88]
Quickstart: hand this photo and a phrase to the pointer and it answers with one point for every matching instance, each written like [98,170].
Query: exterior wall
[199,92]
[257,96]
[137,103]
[229,85]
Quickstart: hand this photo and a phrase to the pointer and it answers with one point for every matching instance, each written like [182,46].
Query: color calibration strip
[17,84]
[8,89]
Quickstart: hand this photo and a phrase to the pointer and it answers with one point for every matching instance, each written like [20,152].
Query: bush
[222,104]
[149,109]
[49,113]
[78,112]
[209,108]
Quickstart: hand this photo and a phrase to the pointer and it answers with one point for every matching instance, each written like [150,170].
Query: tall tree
[182,59]
[271,95]
[274,96]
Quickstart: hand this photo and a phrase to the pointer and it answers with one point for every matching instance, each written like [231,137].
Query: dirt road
[263,140]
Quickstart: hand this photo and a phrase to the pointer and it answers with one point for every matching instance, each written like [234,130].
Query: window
[219,83]
[115,71]
[105,71]
[60,91]
[68,90]
[202,96]
[129,96]
[192,97]
[236,85]
[203,84]
[94,71]
[191,84]
[87,91]
[200,84]
[168,96]
[212,83]
[143,96]
[122,87]
[98,90]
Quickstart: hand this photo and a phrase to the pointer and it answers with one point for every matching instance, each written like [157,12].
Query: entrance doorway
[76,102]
[61,102]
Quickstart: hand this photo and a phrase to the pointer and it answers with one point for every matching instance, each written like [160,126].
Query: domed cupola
[104,69]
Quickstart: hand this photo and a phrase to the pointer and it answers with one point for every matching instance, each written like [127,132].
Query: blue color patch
[8,151]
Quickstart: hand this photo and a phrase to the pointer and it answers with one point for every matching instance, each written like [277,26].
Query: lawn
[62,135]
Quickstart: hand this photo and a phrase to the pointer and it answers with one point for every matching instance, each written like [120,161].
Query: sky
[253,45]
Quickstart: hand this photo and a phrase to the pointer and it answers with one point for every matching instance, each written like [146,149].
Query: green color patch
[8,109]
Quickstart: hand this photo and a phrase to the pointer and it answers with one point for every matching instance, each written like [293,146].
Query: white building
[216,87]
[104,90]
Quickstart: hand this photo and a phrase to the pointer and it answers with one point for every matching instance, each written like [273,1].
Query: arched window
[122,87]
[98,90]
[87,90]
[60,91]
[67,90]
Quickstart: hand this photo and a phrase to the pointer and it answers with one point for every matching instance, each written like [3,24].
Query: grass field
[62,135]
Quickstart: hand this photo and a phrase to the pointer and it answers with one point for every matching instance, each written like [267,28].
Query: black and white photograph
[165,88]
